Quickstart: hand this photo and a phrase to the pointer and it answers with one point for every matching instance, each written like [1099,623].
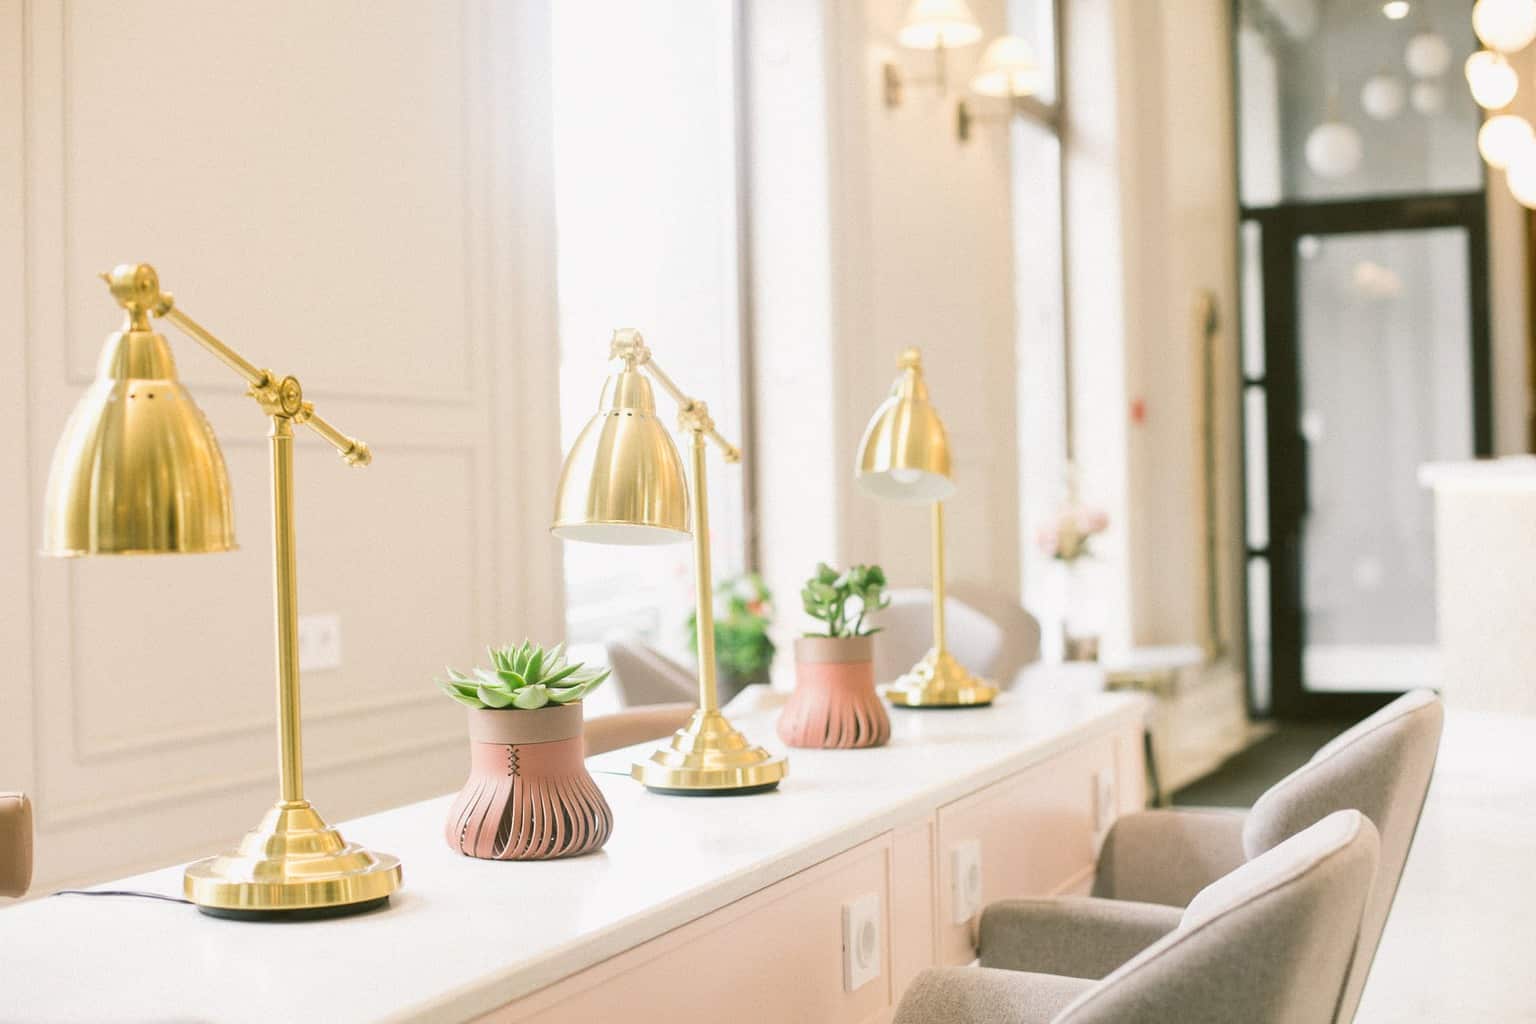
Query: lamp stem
[704,589]
[286,606]
[938,577]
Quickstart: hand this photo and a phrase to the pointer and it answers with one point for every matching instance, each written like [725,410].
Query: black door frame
[1281,227]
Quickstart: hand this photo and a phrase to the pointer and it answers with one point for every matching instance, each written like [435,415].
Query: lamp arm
[137,289]
[629,346]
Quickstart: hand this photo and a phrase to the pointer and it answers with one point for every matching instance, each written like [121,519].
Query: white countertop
[1511,473]
[466,936]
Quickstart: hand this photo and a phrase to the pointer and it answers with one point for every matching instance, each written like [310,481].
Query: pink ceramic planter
[529,795]
[834,704]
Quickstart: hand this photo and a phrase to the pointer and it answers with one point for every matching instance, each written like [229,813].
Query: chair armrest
[976,995]
[1080,937]
[15,844]
[1168,856]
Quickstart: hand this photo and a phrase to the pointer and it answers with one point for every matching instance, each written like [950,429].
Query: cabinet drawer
[1032,834]
[775,955]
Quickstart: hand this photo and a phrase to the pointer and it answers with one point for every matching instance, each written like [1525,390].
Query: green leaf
[495,698]
[531,698]
[469,700]
[535,663]
[511,678]
[568,670]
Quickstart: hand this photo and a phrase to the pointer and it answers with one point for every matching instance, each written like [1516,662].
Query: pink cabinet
[783,953]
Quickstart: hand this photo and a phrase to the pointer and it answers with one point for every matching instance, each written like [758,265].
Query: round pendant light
[1503,138]
[1428,98]
[1520,175]
[1333,149]
[1492,79]
[1383,96]
[1505,25]
[1427,55]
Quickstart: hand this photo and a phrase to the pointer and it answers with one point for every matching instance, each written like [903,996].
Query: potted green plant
[529,795]
[835,703]
[743,649]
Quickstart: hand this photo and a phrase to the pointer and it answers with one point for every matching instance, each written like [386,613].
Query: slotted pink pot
[835,704]
[529,794]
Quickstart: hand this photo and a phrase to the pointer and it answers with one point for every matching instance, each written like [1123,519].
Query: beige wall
[347,192]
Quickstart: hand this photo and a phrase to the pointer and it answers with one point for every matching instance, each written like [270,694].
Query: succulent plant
[825,596]
[525,677]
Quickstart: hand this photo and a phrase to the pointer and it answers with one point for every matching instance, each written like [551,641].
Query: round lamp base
[939,681]
[292,867]
[708,757]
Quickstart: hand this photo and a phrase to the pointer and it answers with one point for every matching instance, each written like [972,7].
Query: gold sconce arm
[136,287]
[693,414]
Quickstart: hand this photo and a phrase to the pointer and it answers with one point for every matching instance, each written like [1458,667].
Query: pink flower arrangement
[1067,539]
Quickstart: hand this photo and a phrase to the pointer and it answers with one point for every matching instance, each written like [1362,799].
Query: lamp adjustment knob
[136,287]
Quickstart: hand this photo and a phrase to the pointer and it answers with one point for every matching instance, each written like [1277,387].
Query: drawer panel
[775,955]
[1033,834]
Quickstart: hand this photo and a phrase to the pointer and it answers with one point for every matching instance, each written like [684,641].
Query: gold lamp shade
[622,482]
[904,455]
[137,470]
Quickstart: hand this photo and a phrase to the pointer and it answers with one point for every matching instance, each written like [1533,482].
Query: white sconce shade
[1383,96]
[1396,10]
[1492,79]
[1333,149]
[1427,98]
[1503,138]
[932,24]
[1008,68]
[1505,25]
[1520,175]
[1427,55]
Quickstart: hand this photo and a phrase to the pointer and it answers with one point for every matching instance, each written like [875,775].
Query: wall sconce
[1009,71]
[937,25]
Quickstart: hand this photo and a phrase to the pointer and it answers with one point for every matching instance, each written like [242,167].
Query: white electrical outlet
[1104,803]
[965,881]
[861,941]
[319,642]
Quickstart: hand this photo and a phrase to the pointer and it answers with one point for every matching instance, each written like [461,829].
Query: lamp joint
[282,398]
[693,416]
[630,346]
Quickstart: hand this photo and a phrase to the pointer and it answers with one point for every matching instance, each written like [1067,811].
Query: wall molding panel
[379,228]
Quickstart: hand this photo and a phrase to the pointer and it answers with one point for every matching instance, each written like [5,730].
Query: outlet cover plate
[319,642]
[861,941]
[965,880]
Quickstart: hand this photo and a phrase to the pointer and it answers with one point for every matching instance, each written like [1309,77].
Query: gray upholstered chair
[646,676]
[1021,630]
[15,844]
[1270,943]
[1380,766]
[990,633]
[635,725]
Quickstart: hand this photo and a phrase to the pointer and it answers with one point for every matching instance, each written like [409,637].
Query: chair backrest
[15,844]
[1021,630]
[646,676]
[1269,943]
[907,634]
[1380,767]
[634,725]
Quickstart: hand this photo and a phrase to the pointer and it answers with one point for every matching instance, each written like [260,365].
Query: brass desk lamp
[623,483]
[904,457]
[137,472]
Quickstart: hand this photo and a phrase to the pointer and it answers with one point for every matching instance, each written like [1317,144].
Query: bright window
[646,222]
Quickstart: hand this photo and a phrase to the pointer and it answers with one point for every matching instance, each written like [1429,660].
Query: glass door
[1374,362]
